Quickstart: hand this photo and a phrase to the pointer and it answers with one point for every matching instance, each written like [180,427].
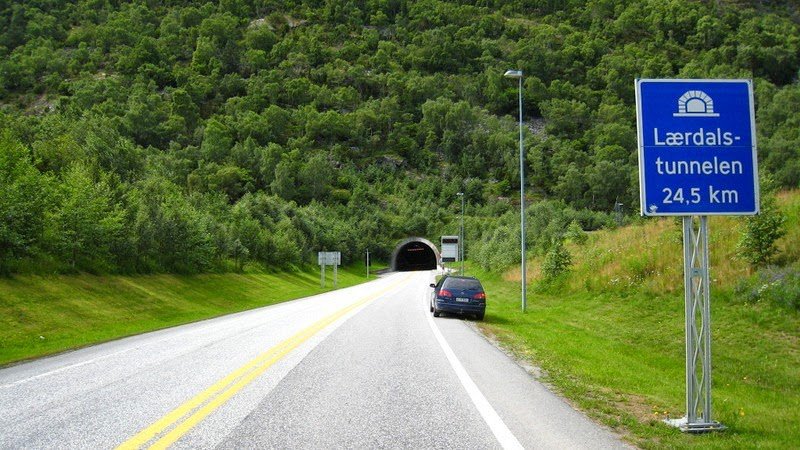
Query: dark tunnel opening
[415,255]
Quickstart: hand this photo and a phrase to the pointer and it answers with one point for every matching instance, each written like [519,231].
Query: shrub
[576,234]
[779,286]
[498,249]
[557,260]
[760,233]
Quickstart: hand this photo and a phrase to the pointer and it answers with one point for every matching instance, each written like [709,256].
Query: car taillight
[445,293]
[479,296]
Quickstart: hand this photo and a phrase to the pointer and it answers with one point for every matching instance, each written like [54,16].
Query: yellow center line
[220,392]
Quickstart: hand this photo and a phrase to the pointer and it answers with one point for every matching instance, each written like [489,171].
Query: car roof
[461,277]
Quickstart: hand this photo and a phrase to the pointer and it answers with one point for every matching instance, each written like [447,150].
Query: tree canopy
[187,136]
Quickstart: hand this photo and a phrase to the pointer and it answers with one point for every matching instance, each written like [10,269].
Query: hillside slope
[189,137]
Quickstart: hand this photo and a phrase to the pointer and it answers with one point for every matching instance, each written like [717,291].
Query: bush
[779,286]
[545,223]
[557,260]
[761,232]
[498,249]
[576,234]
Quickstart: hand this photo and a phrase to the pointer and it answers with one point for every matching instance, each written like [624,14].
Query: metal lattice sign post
[698,326]
[697,157]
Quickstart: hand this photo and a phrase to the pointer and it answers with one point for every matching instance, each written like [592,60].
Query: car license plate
[462,299]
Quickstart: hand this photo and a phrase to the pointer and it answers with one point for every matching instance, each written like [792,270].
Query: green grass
[41,315]
[610,337]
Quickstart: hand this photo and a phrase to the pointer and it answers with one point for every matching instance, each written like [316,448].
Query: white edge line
[63,369]
[503,434]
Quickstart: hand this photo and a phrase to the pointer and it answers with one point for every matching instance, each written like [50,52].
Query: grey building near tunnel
[415,254]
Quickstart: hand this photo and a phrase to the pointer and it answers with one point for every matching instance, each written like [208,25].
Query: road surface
[362,367]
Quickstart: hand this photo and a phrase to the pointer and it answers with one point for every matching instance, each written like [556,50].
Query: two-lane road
[363,367]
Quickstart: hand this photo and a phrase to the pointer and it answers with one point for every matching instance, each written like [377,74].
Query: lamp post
[461,233]
[518,75]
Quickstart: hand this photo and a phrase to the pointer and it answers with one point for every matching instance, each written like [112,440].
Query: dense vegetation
[185,136]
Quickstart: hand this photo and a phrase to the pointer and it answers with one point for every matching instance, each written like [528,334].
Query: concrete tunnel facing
[415,254]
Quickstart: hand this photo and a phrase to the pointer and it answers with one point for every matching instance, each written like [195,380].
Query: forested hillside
[151,136]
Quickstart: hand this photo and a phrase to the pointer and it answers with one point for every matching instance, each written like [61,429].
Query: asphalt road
[363,367]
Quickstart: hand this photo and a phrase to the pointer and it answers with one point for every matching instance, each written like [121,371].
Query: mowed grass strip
[41,315]
[622,361]
[610,336]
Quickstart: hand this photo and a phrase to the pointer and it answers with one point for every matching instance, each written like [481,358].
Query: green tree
[170,234]
[217,141]
[25,196]
[86,222]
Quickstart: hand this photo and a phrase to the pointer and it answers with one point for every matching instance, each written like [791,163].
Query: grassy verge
[610,337]
[44,315]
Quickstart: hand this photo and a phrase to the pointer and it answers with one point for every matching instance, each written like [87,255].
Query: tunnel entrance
[415,254]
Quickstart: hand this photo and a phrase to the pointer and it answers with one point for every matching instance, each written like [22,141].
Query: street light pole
[461,233]
[518,75]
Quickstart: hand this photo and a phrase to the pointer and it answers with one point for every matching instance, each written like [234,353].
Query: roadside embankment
[609,335]
[41,315]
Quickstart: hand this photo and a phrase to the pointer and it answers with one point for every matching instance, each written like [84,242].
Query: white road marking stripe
[62,369]
[98,358]
[501,432]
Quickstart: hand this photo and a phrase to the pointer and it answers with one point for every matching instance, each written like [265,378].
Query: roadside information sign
[697,147]
[449,248]
[697,157]
[329,259]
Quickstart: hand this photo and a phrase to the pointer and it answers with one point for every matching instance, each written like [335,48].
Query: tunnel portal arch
[415,254]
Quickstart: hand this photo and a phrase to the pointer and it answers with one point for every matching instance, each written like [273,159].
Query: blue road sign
[697,147]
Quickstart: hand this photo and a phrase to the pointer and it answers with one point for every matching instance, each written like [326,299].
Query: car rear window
[463,283]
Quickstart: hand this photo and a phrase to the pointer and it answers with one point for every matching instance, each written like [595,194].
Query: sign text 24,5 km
[697,147]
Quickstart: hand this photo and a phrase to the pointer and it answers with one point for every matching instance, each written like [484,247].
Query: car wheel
[479,316]
[436,313]
[431,307]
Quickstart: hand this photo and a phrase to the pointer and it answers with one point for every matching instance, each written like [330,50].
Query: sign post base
[696,427]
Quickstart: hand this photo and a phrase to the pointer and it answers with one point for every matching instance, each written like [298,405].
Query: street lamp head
[459,194]
[513,74]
